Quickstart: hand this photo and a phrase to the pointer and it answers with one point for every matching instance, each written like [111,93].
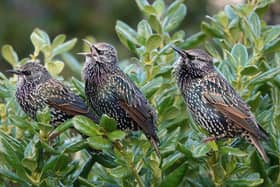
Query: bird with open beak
[110,91]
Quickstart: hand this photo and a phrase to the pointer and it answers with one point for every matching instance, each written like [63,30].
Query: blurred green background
[79,19]
[83,18]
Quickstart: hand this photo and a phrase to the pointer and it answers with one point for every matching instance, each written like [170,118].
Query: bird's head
[31,72]
[100,53]
[101,58]
[194,62]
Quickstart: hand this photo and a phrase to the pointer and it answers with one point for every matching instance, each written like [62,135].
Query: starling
[213,103]
[36,89]
[111,92]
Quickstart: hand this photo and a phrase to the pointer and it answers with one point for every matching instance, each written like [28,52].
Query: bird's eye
[193,57]
[101,52]
[26,72]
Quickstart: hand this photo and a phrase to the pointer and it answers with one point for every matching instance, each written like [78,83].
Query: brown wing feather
[242,118]
[143,122]
[61,98]
[136,115]
[68,108]
[135,104]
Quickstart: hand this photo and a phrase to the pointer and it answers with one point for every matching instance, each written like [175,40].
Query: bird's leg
[209,139]
[214,138]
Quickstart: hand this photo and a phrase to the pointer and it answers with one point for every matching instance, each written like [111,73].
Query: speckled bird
[36,90]
[213,103]
[111,92]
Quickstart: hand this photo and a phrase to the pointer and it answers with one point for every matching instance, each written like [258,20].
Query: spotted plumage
[36,90]
[111,92]
[212,102]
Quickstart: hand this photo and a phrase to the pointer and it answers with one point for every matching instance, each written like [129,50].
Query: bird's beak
[179,51]
[84,53]
[17,72]
[93,50]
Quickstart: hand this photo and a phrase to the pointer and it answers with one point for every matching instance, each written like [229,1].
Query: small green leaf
[30,151]
[153,42]
[55,67]
[272,33]
[127,35]
[23,61]
[184,150]
[223,19]
[233,151]
[10,55]
[264,77]
[255,24]
[150,87]
[173,7]
[239,52]
[178,36]
[86,126]
[51,163]
[230,12]
[272,47]
[116,135]
[142,3]
[174,18]
[12,153]
[155,24]
[150,10]
[99,142]
[159,5]
[13,176]
[58,40]
[250,181]
[39,39]
[74,145]
[108,123]
[201,150]
[144,31]
[44,116]
[193,40]
[105,159]
[29,164]
[211,31]
[79,86]
[72,62]
[175,178]
[64,47]
[120,172]
[63,127]
[250,70]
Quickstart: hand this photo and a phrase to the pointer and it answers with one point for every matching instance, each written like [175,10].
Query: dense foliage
[245,50]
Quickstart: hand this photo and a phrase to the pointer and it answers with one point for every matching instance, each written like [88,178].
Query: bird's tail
[259,147]
[154,143]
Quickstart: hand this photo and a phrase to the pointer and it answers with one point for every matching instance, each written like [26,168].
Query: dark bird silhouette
[36,90]
[111,92]
[213,103]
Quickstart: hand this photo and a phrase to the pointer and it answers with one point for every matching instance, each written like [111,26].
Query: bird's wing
[133,102]
[225,100]
[62,98]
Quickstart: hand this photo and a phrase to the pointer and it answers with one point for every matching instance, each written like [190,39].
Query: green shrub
[245,50]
